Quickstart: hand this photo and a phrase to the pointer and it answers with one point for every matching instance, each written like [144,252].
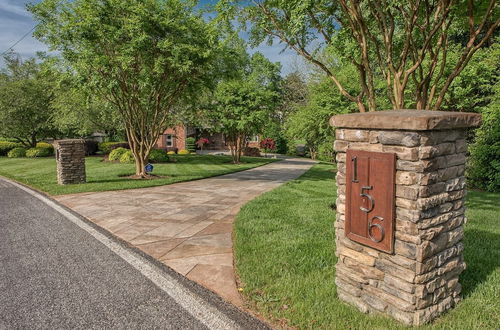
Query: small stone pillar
[400,211]
[70,157]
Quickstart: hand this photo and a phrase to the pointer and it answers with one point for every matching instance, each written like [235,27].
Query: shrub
[38,152]
[158,156]
[183,152]
[45,145]
[190,144]
[106,147]
[326,152]
[171,152]
[484,162]
[268,144]
[202,142]
[17,152]
[127,157]
[6,146]
[4,139]
[117,153]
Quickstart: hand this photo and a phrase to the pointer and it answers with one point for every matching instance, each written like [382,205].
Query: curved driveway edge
[187,226]
[60,271]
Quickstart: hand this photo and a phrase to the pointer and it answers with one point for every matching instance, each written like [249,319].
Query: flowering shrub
[183,152]
[202,142]
[268,144]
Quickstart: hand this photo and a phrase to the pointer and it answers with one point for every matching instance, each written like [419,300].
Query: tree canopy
[26,92]
[141,56]
[243,105]
[403,42]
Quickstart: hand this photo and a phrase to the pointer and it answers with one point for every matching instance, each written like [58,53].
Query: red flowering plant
[268,144]
[202,142]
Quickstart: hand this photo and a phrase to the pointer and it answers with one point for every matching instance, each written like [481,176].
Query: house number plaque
[370,194]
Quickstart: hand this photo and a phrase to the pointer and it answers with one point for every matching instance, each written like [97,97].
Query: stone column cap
[414,120]
[69,141]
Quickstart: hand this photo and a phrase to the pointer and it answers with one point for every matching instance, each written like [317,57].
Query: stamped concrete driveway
[187,226]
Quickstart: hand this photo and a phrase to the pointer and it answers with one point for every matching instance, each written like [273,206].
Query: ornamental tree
[244,104]
[141,56]
[405,43]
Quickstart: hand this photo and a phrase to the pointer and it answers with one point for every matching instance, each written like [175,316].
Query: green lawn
[40,173]
[285,257]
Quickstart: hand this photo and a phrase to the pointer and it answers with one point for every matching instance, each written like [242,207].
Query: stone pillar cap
[414,120]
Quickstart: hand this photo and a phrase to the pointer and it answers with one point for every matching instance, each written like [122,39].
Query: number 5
[370,199]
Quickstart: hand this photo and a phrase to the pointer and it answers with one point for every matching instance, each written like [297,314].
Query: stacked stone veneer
[420,280]
[70,157]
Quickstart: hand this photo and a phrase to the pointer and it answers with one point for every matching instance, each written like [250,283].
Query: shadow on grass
[482,200]
[482,256]
[213,160]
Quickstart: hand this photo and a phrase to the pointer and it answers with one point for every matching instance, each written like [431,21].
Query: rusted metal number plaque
[370,198]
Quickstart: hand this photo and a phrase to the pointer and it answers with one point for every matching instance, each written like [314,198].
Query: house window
[169,140]
[254,138]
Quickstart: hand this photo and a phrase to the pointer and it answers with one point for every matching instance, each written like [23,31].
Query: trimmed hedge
[171,152]
[117,153]
[190,144]
[183,152]
[17,153]
[158,156]
[38,152]
[127,157]
[6,146]
[484,163]
[107,147]
[45,145]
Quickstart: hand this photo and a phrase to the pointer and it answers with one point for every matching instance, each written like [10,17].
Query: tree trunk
[33,141]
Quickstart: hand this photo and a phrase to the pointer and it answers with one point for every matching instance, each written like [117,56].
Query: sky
[16,21]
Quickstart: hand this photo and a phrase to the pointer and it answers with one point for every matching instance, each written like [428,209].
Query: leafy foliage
[26,92]
[127,157]
[245,105]
[117,153]
[404,44]
[107,147]
[38,152]
[190,144]
[268,144]
[484,163]
[17,152]
[6,146]
[158,156]
[141,56]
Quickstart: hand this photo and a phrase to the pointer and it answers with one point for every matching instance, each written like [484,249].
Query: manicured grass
[285,257]
[40,173]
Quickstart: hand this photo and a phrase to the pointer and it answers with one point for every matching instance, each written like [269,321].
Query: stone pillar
[417,277]
[70,157]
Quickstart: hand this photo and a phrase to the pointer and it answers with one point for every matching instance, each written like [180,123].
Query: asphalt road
[57,271]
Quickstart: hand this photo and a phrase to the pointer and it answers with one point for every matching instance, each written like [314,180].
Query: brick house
[174,138]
